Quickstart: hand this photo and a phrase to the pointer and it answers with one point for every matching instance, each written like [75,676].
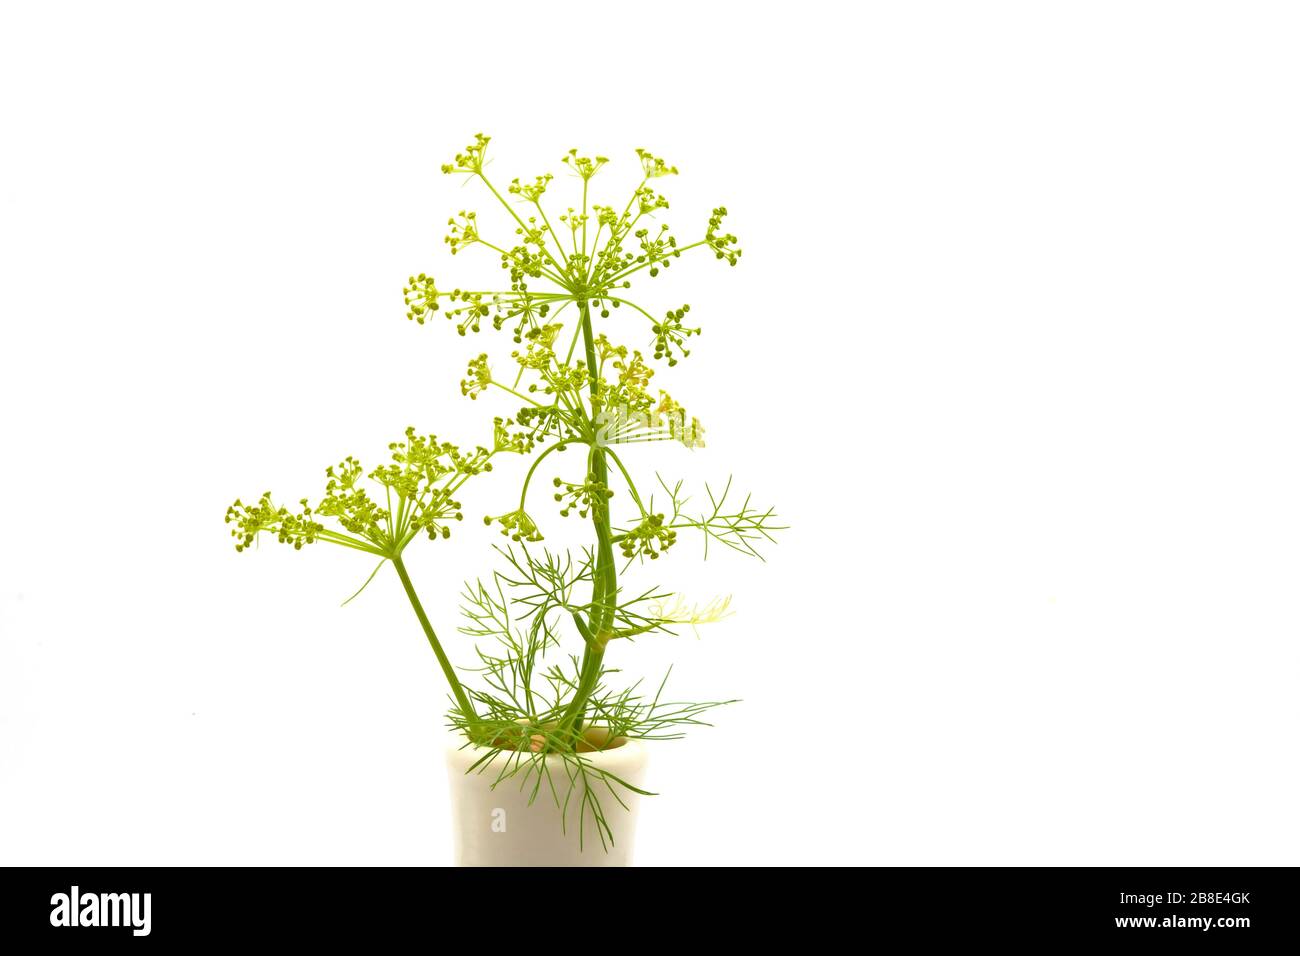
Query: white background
[1012,348]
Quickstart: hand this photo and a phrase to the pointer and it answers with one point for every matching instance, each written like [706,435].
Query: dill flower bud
[582,165]
[470,161]
[653,166]
[649,538]
[478,378]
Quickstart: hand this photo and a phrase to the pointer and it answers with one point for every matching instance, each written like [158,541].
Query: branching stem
[462,700]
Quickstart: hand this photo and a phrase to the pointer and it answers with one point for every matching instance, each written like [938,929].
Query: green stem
[522,398]
[605,574]
[631,485]
[528,478]
[459,692]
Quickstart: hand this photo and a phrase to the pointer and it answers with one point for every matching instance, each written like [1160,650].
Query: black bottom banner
[1225,907]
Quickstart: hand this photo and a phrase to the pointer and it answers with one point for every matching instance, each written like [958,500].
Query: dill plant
[568,386]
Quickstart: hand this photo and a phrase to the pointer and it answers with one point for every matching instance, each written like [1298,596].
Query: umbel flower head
[583,495]
[516,525]
[415,492]
[472,159]
[653,166]
[588,254]
[584,166]
[649,539]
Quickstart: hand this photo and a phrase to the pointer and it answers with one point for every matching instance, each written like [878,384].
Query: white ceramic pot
[521,820]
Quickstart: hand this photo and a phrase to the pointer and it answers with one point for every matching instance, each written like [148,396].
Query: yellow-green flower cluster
[583,496]
[648,539]
[477,378]
[472,160]
[582,165]
[350,505]
[464,231]
[289,528]
[653,166]
[421,297]
[724,244]
[671,333]
[531,191]
[418,488]
[516,525]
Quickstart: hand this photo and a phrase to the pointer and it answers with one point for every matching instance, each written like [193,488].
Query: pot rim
[631,752]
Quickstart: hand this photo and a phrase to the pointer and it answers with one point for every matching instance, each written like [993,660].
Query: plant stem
[457,690]
[605,575]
